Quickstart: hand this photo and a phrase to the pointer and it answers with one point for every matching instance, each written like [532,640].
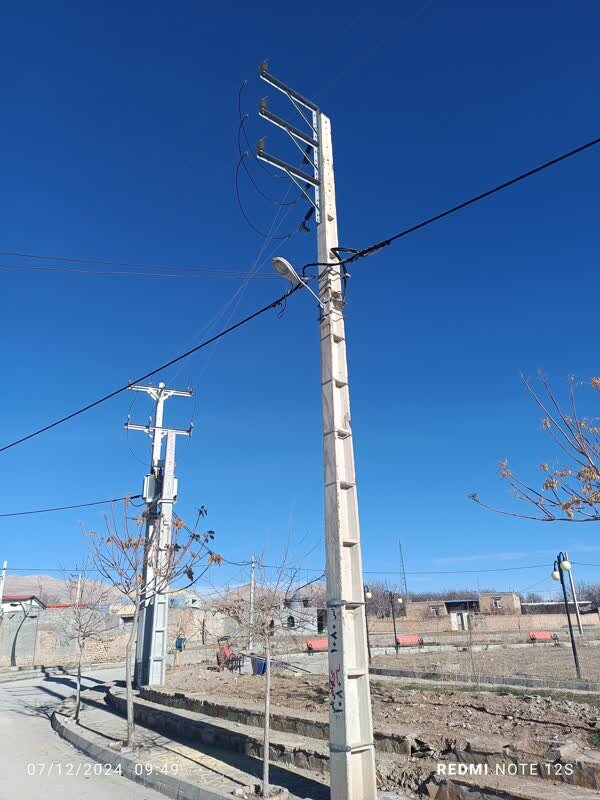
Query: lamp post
[368,595]
[562,565]
[26,614]
[393,607]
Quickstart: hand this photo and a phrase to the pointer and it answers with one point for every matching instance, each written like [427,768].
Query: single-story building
[26,603]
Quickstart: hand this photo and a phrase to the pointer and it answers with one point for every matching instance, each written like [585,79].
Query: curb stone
[169,785]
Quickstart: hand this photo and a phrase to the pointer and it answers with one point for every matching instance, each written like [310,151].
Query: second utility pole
[251,618]
[159,492]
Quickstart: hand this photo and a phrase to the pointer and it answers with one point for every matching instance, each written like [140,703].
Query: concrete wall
[513,627]
[47,638]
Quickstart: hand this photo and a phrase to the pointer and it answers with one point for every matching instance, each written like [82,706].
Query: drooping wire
[241,207]
[275,303]
[242,129]
[251,177]
[68,508]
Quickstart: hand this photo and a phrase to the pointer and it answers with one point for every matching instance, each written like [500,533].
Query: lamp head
[565,564]
[368,593]
[555,575]
[285,269]
[399,600]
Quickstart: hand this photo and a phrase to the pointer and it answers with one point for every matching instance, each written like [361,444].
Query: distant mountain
[49,589]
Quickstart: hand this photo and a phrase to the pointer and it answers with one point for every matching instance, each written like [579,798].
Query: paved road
[36,763]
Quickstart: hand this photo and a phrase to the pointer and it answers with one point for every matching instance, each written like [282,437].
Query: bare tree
[569,490]
[267,625]
[47,597]
[120,556]
[85,622]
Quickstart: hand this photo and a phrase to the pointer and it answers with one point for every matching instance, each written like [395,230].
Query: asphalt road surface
[35,763]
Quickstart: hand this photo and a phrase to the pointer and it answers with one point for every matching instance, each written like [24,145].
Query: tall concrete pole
[352,752]
[251,618]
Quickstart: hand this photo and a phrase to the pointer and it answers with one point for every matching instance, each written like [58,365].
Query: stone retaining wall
[183,726]
[488,751]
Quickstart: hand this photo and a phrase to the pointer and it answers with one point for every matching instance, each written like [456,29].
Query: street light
[562,565]
[285,269]
[393,607]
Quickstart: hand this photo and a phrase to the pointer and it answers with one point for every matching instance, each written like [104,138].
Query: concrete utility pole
[352,752]
[251,619]
[160,493]
[403,573]
[2,580]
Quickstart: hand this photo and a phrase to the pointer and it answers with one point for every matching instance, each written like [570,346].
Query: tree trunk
[128,677]
[78,690]
[267,727]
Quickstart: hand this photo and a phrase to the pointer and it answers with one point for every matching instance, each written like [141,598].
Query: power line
[191,273]
[67,508]
[152,372]
[355,255]
[367,251]
[108,263]
[247,219]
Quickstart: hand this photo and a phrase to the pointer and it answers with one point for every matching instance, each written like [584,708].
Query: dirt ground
[442,717]
[533,661]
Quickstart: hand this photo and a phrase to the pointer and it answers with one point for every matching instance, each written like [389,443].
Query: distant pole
[572,583]
[78,591]
[251,617]
[2,580]
[403,573]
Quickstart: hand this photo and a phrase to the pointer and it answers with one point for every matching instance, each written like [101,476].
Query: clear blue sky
[118,142]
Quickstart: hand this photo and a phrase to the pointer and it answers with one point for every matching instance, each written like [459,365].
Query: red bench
[409,640]
[226,658]
[542,636]
[317,646]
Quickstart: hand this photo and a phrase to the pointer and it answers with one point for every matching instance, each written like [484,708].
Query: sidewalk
[171,766]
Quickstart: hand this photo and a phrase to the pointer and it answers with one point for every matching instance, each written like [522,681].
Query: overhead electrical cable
[367,251]
[191,274]
[106,262]
[277,302]
[355,255]
[68,508]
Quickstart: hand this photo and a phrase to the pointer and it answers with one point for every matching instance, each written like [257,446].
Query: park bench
[227,659]
[317,646]
[409,640]
[542,636]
